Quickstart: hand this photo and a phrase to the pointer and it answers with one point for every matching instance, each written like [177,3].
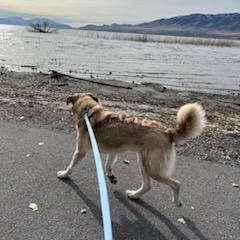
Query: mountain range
[195,25]
[225,26]
[23,22]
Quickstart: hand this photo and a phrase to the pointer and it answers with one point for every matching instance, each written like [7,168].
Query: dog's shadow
[92,207]
[172,227]
[141,228]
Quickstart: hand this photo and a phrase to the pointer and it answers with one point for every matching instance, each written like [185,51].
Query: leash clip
[83,113]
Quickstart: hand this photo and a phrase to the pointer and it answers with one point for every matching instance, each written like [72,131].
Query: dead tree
[43,27]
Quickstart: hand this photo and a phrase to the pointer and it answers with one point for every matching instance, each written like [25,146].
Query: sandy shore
[37,99]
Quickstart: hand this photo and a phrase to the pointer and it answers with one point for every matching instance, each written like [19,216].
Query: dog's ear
[72,99]
[96,99]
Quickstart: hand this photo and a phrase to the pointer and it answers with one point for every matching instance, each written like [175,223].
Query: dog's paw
[132,194]
[112,179]
[63,174]
[176,201]
[178,204]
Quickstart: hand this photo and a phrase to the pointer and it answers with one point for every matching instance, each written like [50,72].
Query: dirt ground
[39,100]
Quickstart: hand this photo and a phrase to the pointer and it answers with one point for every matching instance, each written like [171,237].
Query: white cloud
[122,11]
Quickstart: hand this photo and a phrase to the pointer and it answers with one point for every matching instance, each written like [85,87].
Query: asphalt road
[211,205]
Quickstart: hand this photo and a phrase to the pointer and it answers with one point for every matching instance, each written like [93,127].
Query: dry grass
[164,39]
[181,40]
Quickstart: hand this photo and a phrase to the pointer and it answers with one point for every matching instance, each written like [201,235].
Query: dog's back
[119,132]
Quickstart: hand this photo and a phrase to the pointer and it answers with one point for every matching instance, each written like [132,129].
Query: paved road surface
[205,186]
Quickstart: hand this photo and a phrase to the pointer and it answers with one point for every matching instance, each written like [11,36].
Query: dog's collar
[83,113]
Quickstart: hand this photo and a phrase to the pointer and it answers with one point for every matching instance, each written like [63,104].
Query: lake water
[100,55]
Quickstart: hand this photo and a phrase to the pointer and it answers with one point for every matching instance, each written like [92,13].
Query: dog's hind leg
[146,181]
[174,185]
[78,155]
[110,161]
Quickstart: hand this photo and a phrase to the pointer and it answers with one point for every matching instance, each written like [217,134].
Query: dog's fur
[117,133]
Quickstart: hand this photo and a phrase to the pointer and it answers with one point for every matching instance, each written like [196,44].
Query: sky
[82,12]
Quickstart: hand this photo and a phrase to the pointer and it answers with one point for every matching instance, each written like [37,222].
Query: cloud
[78,10]
[121,11]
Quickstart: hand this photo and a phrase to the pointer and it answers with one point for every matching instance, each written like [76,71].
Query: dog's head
[82,102]
[75,97]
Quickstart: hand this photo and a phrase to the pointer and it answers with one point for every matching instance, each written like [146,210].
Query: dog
[116,133]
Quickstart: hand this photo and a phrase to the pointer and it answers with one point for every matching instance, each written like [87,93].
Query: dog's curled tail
[190,122]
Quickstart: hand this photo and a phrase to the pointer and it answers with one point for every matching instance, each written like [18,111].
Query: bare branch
[43,27]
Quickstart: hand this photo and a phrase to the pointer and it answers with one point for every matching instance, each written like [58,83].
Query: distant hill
[195,25]
[22,22]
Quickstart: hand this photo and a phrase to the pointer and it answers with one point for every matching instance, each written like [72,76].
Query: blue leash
[107,224]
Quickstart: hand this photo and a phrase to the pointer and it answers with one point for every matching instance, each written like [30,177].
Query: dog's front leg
[77,156]
[80,152]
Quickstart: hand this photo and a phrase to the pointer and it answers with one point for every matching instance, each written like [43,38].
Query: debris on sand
[181,220]
[126,161]
[235,185]
[33,206]
[83,211]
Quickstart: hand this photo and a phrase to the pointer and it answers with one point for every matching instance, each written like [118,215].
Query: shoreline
[210,91]
[38,99]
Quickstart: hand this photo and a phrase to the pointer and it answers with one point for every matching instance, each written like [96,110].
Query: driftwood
[58,75]
[29,66]
[158,87]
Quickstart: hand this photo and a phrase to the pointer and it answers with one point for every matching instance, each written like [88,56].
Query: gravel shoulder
[39,100]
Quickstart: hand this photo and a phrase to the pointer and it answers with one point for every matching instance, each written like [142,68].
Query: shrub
[43,27]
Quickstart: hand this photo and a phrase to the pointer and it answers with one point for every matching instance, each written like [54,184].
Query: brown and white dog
[117,133]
